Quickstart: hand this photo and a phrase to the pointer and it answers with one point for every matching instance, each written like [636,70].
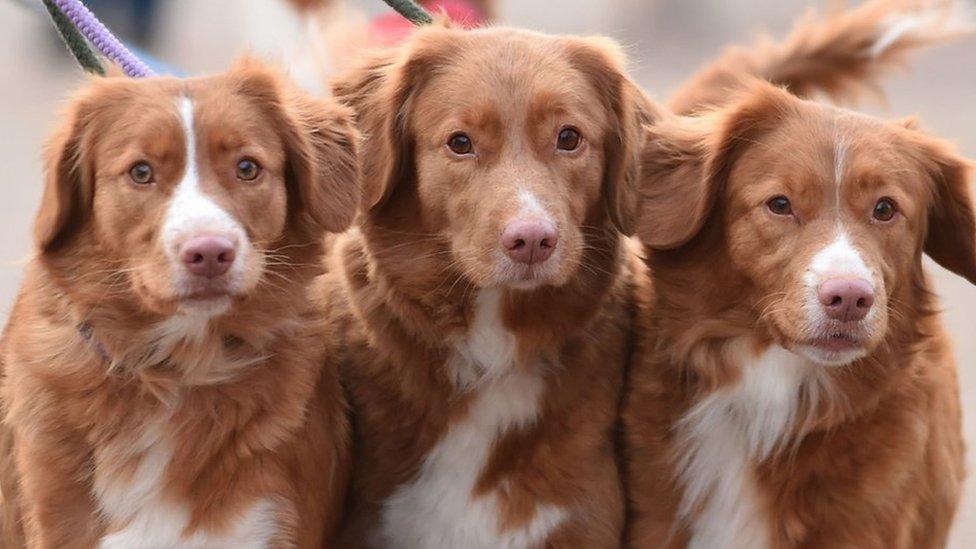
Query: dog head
[505,147]
[190,196]
[823,213]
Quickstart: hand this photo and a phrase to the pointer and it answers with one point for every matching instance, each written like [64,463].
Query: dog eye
[460,144]
[569,139]
[141,173]
[247,169]
[780,205]
[884,210]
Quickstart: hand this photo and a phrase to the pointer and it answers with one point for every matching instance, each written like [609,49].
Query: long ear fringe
[951,237]
[321,145]
[603,61]
[67,187]
[379,91]
[687,159]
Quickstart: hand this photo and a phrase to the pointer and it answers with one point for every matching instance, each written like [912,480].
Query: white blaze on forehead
[840,157]
[838,259]
[841,145]
[191,212]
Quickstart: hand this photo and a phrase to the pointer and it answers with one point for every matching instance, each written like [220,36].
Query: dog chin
[524,285]
[209,306]
[828,356]
[517,277]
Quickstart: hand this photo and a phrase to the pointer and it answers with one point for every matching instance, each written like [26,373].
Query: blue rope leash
[79,45]
[100,37]
[80,30]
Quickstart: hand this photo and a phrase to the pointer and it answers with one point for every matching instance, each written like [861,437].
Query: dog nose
[529,242]
[846,299]
[209,256]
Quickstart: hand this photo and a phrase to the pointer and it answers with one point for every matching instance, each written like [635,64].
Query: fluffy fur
[743,420]
[139,413]
[485,392]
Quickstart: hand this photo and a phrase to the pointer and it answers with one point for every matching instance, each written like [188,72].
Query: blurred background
[667,40]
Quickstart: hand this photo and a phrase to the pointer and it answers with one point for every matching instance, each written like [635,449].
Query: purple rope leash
[103,39]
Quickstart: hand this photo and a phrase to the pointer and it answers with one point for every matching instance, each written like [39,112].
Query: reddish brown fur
[403,286]
[254,413]
[878,461]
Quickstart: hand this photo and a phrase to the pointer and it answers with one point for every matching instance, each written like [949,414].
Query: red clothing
[392,28]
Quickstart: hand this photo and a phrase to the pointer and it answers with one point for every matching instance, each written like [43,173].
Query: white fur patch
[178,328]
[840,158]
[162,529]
[730,431]
[838,259]
[192,213]
[531,206]
[488,350]
[149,520]
[438,509]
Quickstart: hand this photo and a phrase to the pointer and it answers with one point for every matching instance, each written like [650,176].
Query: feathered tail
[842,54]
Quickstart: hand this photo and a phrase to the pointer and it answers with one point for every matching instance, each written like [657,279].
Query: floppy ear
[68,185]
[951,237]
[321,146]
[687,160]
[602,61]
[325,161]
[379,91]
[676,193]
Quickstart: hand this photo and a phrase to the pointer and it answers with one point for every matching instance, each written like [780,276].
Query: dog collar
[87,334]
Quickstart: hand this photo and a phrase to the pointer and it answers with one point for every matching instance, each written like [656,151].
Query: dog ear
[951,236]
[676,194]
[69,181]
[321,146]
[603,62]
[379,92]
[687,160]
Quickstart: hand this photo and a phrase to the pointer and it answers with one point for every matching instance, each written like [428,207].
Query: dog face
[511,144]
[182,196]
[823,212]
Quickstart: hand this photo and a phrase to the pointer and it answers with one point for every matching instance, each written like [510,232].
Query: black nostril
[862,303]
[544,243]
[222,258]
[519,243]
[837,300]
[198,258]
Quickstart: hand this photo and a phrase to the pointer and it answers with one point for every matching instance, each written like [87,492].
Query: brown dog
[162,380]
[484,301]
[795,387]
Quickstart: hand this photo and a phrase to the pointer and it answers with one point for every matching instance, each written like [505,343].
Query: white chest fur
[142,517]
[726,434]
[438,509]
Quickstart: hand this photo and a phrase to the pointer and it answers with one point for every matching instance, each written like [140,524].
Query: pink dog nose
[846,299]
[529,242]
[209,256]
